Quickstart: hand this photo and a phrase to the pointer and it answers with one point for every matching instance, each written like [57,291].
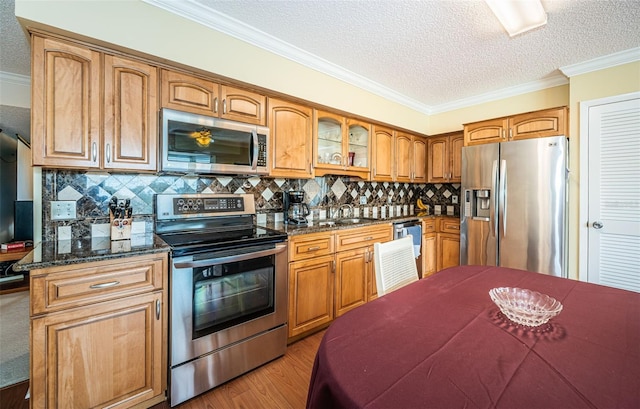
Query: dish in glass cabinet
[525,307]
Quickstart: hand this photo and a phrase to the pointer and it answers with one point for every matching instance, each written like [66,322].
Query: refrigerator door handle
[493,219]
[503,194]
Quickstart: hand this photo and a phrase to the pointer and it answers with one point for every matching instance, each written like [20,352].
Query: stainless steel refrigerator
[514,205]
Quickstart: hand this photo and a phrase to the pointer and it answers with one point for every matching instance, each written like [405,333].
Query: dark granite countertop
[320,226]
[63,252]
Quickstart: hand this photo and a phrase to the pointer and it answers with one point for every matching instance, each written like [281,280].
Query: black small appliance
[295,211]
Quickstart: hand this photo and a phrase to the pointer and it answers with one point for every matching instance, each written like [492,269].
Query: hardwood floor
[280,384]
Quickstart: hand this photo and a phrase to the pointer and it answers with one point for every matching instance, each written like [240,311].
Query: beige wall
[453,120]
[618,80]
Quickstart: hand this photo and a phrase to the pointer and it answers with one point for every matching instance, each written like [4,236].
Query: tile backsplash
[93,190]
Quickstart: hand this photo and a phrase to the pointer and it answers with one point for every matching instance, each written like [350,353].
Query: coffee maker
[295,211]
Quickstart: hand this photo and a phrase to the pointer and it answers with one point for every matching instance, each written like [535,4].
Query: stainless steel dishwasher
[400,230]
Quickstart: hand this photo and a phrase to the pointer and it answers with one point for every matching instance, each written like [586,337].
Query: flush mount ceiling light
[518,16]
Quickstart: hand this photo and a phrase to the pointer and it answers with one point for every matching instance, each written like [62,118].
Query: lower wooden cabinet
[310,294]
[110,353]
[331,273]
[440,244]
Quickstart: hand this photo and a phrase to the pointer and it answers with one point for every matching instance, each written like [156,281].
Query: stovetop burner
[192,223]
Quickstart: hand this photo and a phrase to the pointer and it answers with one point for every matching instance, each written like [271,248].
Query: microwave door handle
[230,259]
[254,142]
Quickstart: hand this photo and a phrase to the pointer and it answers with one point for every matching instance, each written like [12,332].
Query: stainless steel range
[228,290]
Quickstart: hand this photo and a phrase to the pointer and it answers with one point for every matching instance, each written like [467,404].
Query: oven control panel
[171,206]
[206,205]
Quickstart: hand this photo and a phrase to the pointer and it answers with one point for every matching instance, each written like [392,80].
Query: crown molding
[15,90]
[235,28]
[525,88]
[607,61]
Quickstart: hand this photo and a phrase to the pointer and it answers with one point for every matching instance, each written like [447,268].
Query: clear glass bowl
[524,306]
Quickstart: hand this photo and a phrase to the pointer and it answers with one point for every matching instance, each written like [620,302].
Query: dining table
[441,342]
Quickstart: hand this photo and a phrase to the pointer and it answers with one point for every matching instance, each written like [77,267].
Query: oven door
[222,297]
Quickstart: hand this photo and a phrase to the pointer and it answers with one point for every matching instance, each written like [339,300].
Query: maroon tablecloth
[442,343]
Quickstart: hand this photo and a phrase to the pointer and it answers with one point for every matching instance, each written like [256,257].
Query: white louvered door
[613,226]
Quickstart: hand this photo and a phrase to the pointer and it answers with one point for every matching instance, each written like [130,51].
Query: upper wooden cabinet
[65,105]
[130,114]
[444,158]
[291,128]
[538,124]
[186,92]
[341,145]
[410,157]
[68,116]
[383,153]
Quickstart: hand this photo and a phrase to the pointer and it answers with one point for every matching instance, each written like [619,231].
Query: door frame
[583,216]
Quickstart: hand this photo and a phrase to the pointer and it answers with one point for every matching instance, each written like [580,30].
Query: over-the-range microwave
[195,143]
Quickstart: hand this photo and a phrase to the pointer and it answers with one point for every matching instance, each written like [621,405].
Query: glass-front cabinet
[341,145]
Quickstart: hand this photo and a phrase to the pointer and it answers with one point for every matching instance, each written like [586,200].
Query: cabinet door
[188,93]
[359,138]
[448,250]
[65,105]
[242,105]
[310,294]
[438,159]
[383,154]
[351,280]
[329,134]
[456,142]
[539,124]
[429,257]
[108,354]
[291,139]
[130,114]
[403,159]
[419,160]
[372,287]
[490,131]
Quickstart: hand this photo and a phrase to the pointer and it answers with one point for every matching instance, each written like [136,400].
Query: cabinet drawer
[362,236]
[428,226]
[58,288]
[449,226]
[310,245]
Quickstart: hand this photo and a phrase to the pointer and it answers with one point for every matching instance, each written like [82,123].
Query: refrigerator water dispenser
[477,203]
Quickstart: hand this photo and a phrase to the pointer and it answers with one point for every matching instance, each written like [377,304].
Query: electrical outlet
[363,200]
[63,210]
[454,199]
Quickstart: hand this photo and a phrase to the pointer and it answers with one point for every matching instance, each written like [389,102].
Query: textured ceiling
[427,53]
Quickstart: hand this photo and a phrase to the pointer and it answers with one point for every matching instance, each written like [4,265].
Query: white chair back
[395,264]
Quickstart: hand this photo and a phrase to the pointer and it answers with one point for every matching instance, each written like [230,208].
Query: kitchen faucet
[340,211]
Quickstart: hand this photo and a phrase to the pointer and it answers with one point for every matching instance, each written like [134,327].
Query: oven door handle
[230,259]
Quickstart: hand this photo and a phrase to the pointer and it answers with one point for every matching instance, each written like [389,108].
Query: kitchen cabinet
[355,274]
[75,95]
[410,158]
[291,127]
[448,243]
[311,281]
[99,333]
[383,154]
[336,138]
[331,273]
[189,93]
[429,253]
[537,124]
[444,158]
[130,114]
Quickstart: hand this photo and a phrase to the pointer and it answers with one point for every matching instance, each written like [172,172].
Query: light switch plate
[63,210]
[454,199]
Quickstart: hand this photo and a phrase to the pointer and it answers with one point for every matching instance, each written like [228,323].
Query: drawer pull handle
[314,248]
[369,238]
[105,285]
